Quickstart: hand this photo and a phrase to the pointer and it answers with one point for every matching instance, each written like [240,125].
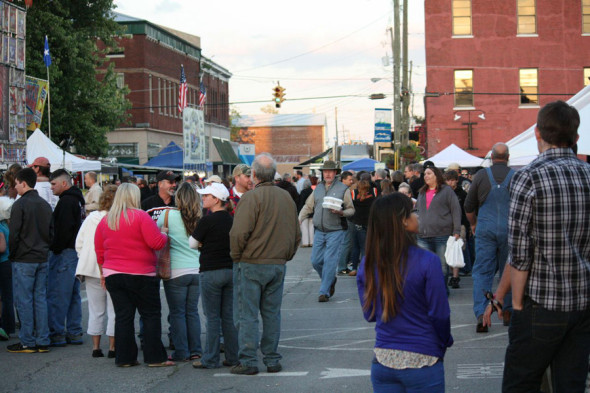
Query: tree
[269,109]
[234,128]
[85,102]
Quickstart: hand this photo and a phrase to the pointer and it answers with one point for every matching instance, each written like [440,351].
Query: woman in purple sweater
[402,289]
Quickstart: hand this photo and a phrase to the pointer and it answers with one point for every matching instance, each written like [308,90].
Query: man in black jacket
[30,234]
[164,197]
[63,291]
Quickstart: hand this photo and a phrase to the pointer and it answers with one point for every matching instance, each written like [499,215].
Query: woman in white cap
[211,237]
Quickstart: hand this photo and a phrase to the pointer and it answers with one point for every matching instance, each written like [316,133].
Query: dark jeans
[141,293]
[217,291]
[359,236]
[539,338]
[416,380]
[7,301]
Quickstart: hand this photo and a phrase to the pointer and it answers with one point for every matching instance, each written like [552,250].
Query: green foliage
[82,105]
[234,129]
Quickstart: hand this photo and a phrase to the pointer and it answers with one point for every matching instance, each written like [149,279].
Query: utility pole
[334,153]
[405,115]
[395,41]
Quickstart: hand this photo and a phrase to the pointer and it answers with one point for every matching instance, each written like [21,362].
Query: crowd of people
[229,243]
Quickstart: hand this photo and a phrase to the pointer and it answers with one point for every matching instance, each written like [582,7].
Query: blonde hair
[127,197]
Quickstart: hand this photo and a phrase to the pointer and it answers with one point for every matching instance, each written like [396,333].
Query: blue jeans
[217,291]
[359,238]
[324,257]
[182,295]
[492,252]
[538,338]
[8,322]
[258,288]
[410,380]
[346,248]
[30,290]
[63,295]
[437,245]
[142,293]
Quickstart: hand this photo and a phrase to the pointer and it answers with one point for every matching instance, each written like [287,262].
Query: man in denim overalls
[490,197]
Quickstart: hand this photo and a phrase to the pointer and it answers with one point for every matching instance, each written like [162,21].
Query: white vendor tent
[523,147]
[454,154]
[38,145]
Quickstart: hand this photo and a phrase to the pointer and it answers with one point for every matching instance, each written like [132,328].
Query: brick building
[290,138]
[494,64]
[148,63]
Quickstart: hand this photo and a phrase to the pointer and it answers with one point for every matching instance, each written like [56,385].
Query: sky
[321,48]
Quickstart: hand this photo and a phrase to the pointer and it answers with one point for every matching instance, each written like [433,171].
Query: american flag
[182,91]
[202,95]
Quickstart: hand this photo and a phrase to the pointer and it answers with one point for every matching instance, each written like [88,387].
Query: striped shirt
[548,231]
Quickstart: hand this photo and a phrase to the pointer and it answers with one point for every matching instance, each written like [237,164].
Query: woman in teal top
[7,323]
[182,289]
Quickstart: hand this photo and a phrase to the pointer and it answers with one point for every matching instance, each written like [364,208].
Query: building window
[160,96]
[151,94]
[527,17]
[463,88]
[461,17]
[153,149]
[122,150]
[165,100]
[586,76]
[120,80]
[170,99]
[529,86]
[586,16]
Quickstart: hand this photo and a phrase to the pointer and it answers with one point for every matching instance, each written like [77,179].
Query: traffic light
[279,95]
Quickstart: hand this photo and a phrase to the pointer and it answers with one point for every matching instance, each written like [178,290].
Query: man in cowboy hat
[330,226]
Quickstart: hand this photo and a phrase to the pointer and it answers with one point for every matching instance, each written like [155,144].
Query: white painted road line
[344,372]
[281,374]
[480,370]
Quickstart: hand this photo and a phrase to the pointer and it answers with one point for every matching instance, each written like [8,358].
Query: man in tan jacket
[94,192]
[264,236]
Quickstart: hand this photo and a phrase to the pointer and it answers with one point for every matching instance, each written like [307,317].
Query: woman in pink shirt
[125,241]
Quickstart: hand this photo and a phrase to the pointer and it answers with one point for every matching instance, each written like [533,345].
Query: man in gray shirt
[486,208]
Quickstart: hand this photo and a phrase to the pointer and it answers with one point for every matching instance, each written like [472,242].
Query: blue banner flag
[46,55]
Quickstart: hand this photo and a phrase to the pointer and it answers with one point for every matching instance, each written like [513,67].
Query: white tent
[38,145]
[452,154]
[523,147]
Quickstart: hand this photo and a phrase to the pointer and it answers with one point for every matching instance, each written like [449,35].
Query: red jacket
[131,248]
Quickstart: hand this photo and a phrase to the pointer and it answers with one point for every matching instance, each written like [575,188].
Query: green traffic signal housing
[279,95]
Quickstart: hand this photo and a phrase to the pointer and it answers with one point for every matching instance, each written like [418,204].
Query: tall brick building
[290,138]
[148,63]
[495,63]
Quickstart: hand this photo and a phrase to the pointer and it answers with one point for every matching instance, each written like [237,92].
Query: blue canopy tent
[364,164]
[169,157]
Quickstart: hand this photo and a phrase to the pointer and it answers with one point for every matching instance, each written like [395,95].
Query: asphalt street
[326,347]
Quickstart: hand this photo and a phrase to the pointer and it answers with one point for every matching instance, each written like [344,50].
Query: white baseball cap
[218,190]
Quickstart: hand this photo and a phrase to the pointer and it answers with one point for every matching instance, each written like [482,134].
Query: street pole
[396,82]
[336,140]
[405,115]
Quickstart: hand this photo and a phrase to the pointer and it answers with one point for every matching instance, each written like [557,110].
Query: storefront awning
[226,152]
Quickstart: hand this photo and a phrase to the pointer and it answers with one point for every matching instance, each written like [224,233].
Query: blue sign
[382,125]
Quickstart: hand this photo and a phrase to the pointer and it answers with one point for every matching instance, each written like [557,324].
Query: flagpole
[48,103]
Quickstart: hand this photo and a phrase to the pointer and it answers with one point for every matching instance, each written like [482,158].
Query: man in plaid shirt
[549,241]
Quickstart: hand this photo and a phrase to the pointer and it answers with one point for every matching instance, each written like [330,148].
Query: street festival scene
[370,196]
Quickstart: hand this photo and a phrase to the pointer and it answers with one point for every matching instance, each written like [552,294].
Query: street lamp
[469,124]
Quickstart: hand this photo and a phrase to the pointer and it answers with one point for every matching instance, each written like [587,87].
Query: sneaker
[244,370]
[455,282]
[323,298]
[352,273]
[199,364]
[58,341]
[111,354]
[274,369]
[42,348]
[75,339]
[97,353]
[480,327]
[333,287]
[20,348]
[3,335]
[344,272]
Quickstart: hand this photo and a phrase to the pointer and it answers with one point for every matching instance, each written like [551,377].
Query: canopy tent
[523,147]
[363,164]
[170,157]
[454,154]
[38,145]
